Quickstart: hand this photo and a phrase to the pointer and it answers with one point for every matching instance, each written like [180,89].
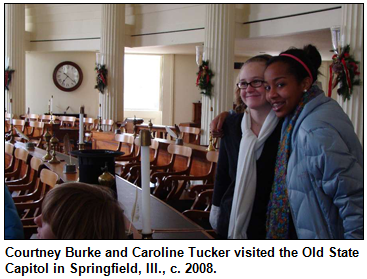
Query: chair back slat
[180,150]
[21,154]
[47,118]
[49,177]
[32,116]
[212,156]
[36,124]
[9,148]
[36,163]
[67,120]
[109,123]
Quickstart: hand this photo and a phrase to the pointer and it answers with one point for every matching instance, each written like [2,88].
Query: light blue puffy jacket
[325,173]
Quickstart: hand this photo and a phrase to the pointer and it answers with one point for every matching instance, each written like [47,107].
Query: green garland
[344,71]
[8,74]
[203,81]
[101,78]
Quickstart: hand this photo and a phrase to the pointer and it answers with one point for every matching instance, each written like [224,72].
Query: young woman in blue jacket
[319,168]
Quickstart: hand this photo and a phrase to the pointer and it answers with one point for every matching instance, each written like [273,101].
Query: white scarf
[244,193]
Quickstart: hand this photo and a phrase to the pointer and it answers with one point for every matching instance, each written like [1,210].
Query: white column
[219,50]
[352,27]
[15,50]
[113,48]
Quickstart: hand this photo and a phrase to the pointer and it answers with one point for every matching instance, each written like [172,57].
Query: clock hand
[72,79]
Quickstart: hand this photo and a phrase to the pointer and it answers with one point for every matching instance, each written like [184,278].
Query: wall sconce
[199,54]
[99,58]
[336,39]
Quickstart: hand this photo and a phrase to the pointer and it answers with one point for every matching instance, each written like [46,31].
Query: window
[142,82]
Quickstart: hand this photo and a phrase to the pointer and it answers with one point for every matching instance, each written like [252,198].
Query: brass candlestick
[100,124]
[210,146]
[54,141]
[150,125]
[47,137]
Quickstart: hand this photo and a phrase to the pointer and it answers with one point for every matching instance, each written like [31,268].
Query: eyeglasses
[254,84]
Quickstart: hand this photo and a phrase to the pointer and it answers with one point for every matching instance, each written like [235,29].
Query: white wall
[185,90]
[40,85]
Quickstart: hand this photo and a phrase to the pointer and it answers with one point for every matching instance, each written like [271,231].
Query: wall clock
[67,76]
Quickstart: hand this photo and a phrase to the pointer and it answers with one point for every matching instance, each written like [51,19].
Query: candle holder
[147,236]
[150,125]
[54,141]
[210,146]
[81,146]
[52,119]
[100,124]
[47,137]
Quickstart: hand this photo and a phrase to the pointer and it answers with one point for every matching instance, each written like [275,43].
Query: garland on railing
[8,74]
[203,80]
[344,71]
[101,77]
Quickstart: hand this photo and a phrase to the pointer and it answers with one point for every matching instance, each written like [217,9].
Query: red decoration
[344,71]
[8,74]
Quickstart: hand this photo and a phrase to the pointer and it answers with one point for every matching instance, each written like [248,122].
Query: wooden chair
[30,209]
[32,117]
[27,186]
[159,173]
[47,118]
[21,165]
[188,132]
[89,126]
[200,210]
[88,123]
[186,182]
[9,153]
[37,132]
[131,170]
[19,124]
[108,124]
[67,121]
[8,116]
[125,144]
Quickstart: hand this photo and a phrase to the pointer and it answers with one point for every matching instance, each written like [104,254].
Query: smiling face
[44,229]
[283,91]
[254,98]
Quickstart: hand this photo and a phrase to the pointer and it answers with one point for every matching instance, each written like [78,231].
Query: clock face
[67,76]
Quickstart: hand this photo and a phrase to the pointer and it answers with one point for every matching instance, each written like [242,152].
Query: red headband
[301,62]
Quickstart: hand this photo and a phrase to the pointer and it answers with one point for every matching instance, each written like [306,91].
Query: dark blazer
[226,177]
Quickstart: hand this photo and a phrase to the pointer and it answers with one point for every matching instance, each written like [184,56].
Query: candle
[100,111]
[52,97]
[49,108]
[81,125]
[145,180]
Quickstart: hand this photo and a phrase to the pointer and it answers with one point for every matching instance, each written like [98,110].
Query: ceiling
[254,46]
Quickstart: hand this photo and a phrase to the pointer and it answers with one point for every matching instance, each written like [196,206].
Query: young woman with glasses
[246,161]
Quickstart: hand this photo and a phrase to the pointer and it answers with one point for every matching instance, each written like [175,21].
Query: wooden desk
[58,168]
[167,223]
